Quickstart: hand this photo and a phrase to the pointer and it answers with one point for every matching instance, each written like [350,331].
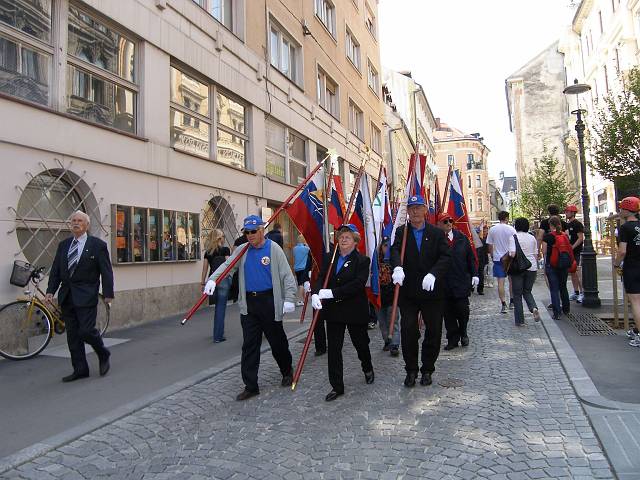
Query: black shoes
[451,346]
[246,394]
[464,341]
[387,346]
[410,379]
[74,376]
[394,351]
[332,395]
[320,352]
[287,380]
[369,377]
[426,379]
[104,365]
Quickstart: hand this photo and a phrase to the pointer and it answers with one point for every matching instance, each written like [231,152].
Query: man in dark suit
[81,261]
[421,275]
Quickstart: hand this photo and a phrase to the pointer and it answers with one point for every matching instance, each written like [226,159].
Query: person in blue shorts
[498,243]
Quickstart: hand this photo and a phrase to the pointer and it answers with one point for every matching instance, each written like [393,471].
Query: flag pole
[446,188]
[307,343]
[226,271]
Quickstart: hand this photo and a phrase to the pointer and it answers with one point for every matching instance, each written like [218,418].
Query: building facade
[468,155]
[165,119]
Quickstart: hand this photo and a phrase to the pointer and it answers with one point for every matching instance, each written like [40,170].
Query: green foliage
[543,185]
[615,147]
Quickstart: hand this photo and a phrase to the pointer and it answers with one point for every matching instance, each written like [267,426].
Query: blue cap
[252,222]
[349,226]
[415,200]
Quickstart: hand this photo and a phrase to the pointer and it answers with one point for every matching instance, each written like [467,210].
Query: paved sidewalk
[516,416]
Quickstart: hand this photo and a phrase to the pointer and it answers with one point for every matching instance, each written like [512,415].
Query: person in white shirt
[522,283]
[498,243]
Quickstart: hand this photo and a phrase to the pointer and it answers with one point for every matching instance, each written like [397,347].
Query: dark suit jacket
[83,285]
[434,258]
[462,268]
[350,303]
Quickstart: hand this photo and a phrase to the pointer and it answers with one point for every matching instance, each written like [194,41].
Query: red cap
[444,216]
[630,203]
[571,208]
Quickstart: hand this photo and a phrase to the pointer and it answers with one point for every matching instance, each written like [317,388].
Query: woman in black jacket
[344,304]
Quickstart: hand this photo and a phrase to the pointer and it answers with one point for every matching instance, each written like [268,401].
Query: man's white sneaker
[573,296]
[580,298]
[635,343]
[299,303]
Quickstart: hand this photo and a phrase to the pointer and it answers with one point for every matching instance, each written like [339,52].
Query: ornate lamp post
[589,266]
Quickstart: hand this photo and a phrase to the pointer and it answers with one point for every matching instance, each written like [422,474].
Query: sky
[461,52]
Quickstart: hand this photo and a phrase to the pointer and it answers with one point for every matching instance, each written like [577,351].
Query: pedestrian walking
[215,254]
[498,243]
[267,291]
[461,277]
[575,229]
[302,266]
[522,282]
[391,345]
[420,275]
[344,305]
[544,229]
[628,255]
[81,263]
[556,270]
[483,259]
[276,235]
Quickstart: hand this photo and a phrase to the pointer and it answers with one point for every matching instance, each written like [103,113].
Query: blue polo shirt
[257,268]
[417,234]
[300,253]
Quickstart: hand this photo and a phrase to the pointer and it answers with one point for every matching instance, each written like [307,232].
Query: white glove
[316,303]
[209,287]
[325,293]
[428,282]
[474,281]
[288,307]
[398,275]
[307,287]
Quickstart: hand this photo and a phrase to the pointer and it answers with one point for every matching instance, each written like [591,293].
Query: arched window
[219,214]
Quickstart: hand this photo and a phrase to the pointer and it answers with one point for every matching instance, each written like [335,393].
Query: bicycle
[28,324]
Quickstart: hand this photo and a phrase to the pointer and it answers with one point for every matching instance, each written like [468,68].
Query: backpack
[562,253]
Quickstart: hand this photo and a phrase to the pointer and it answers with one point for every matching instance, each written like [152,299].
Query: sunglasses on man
[446,222]
[250,232]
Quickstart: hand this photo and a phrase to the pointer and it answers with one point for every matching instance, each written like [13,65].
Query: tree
[615,147]
[545,184]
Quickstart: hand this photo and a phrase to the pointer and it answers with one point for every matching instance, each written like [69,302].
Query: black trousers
[410,333]
[359,337]
[481,278]
[80,324]
[320,335]
[456,318]
[260,319]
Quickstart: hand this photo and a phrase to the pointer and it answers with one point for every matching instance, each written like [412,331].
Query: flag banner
[417,187]
[357,219]
[307,213]
[337,208]
[458,211]
[380,203]
[401,214]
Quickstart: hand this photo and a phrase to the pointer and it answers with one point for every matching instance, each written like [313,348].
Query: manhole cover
[589,324]
[450,382]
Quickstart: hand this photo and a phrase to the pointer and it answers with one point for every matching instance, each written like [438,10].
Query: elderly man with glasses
[267,291]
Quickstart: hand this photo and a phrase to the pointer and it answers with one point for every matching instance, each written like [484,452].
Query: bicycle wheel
[103,316]
[25,330]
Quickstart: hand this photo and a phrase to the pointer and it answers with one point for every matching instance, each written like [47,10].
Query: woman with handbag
[215,254]
[523,251]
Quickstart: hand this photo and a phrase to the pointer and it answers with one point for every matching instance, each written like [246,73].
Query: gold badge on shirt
[265,261]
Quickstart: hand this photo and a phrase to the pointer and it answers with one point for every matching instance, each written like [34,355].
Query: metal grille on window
[45,205]
[219,213]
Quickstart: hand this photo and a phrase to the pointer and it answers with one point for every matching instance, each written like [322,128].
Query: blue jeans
[221,293]
[558,289]
[384,318]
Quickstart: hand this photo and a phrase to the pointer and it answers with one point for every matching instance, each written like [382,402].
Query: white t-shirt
[529,247]
[499,236]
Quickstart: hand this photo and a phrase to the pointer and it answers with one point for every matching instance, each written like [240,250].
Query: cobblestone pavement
[515,417]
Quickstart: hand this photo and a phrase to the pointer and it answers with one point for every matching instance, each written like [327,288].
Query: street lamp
[589,266]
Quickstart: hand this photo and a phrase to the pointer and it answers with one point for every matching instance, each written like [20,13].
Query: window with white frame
[196,125]
[101,72]
[373,79]
[326,12]
[468,181]
[285,53]
[221,10]
[479,204]
[478,181]
[450,159]
[376,139]
[471,204]
[25,60]
[285,153]
[327,91]
[356,120]
[353,49]
[370,21]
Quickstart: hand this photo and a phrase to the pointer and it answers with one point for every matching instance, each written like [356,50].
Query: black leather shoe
[426,379]
[410,379]
[332,395]
[320,352]
[105,365]
[464,341]
[246,394]
[74,376]
[394,351]
[369,377]
[287,380]
[451,346]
